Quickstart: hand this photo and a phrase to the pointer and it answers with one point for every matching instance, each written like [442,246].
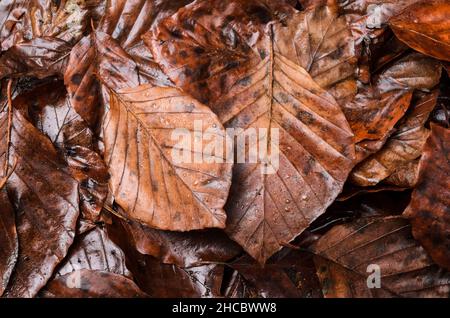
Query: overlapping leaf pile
[93,204]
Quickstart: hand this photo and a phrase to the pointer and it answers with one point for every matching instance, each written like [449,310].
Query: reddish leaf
[425,27]
[429,207]
[404,146]
[146,180]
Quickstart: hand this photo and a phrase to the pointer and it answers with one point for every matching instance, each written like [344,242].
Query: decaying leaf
[429,207]
[45,196]
[163,280]
[9,245]
[210,148]
[96,252]
[345,255]
[425,27]
[291,276]
[263,89]
[52,113]
[188,249]
[151,183]
[404,146]
[92,284]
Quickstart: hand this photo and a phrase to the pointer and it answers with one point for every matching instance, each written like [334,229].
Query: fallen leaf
[187,249]
[9,244]
[428,210]
[45,198]
[345,253]
[263,89]
[92,284]
[39,57]
[96,252]
[147,180]
[425,27]
[404,146]
[167,281]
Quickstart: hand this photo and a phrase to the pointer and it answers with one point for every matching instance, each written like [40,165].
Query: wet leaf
[9,245]
[376,109]
[93,284]
[264,89]
[147,179]
[45,197]
[53,114]
[40,57]
[345,253]
[125,22]
[425,27]
[167,281]
[292,276]
[94,251]
[404,146]
[182,249]
[429,207]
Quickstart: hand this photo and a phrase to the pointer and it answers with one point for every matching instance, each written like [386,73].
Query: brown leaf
[369,18]
[375,110]
[80,81]
[264,89]
[96,252]
[292,276]
[92,284]
[125,22]
[46,200]
[345,252]
[182,249]
[429,207]
[425,27]
[146,179]
[404,146]
[324,48]
[53,114]
[40,57]
[9,244]
[167,281]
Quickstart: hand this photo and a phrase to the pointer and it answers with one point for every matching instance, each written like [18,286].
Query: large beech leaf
[45,196]
[92,284]
[9,245]
[425,27]
[345,252]
[264,89]
[321,43]
[146,180]
[182,249]
[429,207]
[403,147]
